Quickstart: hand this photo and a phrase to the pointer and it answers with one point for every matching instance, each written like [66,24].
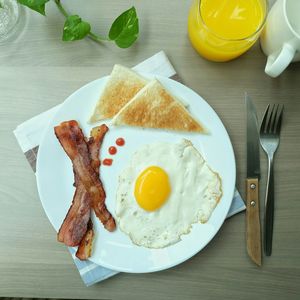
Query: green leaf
[125,29]
[75,28]
[37,5]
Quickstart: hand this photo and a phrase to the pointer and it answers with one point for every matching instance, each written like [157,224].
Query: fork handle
[269,209]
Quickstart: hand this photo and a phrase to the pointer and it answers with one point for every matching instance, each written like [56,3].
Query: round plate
[115,250]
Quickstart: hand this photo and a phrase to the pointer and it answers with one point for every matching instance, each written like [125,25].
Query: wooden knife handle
[253,230]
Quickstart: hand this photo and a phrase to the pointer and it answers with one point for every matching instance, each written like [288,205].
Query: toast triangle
[121,86]
[154,107]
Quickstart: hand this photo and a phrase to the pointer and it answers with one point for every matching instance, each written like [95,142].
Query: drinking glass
[11,14]
[221,30]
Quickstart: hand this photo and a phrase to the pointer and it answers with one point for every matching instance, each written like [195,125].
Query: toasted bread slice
[155,107]
[122,85]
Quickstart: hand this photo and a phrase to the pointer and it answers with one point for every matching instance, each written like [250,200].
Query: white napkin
[29,135]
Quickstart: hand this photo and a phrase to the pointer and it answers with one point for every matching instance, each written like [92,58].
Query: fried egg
[163,191]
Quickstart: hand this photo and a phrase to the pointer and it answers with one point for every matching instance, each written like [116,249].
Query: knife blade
[253,227]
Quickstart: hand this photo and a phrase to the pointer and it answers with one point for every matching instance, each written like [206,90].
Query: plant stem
[97,38]
[61,8]
[91,35]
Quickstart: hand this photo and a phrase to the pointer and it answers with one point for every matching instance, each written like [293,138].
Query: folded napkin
[29,135]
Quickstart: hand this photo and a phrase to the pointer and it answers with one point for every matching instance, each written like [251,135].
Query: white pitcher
[280,39]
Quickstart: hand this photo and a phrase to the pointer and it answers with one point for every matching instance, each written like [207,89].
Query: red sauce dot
[112,150]
[107,162]
[120,142]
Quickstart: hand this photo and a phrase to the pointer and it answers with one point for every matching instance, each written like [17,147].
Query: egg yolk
[152,188]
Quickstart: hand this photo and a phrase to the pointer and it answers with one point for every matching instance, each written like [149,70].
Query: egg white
[195,192]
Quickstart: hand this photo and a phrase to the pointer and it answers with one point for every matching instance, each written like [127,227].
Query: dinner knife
[253,228]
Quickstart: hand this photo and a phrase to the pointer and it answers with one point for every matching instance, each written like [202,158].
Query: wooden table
[38,71]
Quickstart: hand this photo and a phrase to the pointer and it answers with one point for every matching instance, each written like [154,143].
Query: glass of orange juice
[221,30]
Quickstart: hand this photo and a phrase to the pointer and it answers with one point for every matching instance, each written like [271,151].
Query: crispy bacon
[94,144]
[75,223]
[72,140]
[74,227]
[84,250]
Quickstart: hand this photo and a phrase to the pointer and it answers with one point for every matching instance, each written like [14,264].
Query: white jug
[280,39]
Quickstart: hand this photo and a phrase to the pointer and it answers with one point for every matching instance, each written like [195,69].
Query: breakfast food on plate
[75,223]
[154,107]
[122,85]
[130,100]
[77,228]
[164,190]
[84,250]
[77,220]
[94,144]
[72,140]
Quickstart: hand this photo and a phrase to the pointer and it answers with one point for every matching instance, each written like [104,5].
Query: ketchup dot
[120,142]
[112,150]
[107,162]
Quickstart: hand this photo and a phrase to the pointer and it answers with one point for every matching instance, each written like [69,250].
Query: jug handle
[277,63]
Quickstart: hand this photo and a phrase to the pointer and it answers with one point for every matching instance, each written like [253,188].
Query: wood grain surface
[38,71]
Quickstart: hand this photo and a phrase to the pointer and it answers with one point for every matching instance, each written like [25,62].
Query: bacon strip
[95,141]
[72,140]
[75,223]
[94,144]
[84,250]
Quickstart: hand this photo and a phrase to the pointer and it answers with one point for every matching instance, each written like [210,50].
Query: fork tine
[274,119]
[278,125]
[270,119]
[264,120]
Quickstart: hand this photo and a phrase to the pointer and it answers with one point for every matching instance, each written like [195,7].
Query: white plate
[115,250]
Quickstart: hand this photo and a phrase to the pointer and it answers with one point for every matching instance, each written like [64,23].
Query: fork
[269,140]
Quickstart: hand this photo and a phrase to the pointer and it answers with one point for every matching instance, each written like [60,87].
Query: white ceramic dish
[115,250]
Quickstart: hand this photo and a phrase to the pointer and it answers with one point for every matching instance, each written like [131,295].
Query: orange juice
[221,30]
